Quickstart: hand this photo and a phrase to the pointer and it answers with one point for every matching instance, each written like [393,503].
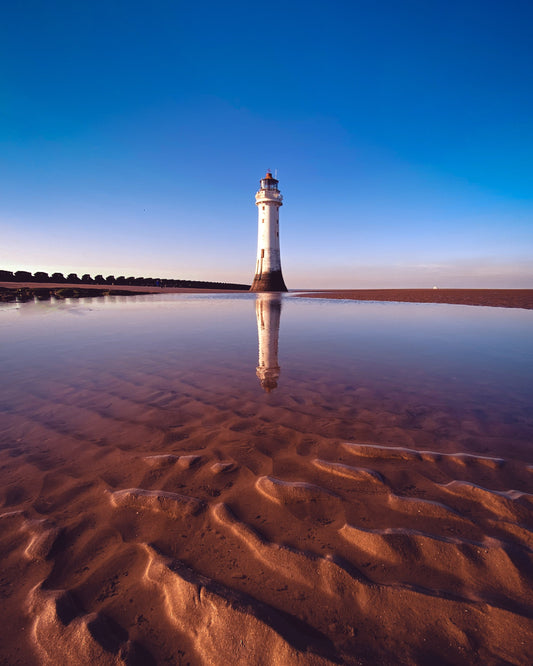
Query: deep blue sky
[133,136]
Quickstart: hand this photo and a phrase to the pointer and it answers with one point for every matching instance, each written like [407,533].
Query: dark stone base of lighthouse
[271,281]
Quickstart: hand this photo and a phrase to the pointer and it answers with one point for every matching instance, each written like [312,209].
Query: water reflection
[268,312]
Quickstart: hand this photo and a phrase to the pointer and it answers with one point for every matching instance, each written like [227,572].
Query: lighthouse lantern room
[268,276]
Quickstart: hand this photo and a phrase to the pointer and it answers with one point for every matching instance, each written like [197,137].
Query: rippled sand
[146,519]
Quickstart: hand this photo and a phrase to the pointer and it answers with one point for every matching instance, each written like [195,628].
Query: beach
[160,505]
[501,298]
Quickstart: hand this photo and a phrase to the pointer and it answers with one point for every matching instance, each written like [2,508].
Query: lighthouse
[268,311]
[268,200]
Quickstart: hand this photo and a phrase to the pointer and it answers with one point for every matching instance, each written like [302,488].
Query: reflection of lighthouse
[268,200]
[268,311]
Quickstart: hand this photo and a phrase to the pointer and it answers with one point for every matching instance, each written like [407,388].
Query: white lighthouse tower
[268,200]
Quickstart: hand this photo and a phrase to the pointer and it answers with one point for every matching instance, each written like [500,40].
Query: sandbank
[501,298]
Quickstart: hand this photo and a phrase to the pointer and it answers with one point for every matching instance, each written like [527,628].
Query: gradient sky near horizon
[133,137]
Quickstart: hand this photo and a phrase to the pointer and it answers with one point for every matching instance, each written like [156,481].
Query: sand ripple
[356,473]
[162,460]
[171,504]
[510,505]
[146,518]
[203,610]
[402,453]
[290,492]
[63,634]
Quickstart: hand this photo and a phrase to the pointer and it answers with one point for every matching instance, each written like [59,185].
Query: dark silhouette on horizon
[111,280]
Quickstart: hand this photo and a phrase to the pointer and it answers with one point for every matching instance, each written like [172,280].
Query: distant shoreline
[499,298]
[104,289]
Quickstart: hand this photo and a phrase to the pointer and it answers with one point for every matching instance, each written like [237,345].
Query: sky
[133,136]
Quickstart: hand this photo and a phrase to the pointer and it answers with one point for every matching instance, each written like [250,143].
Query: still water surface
[396,373]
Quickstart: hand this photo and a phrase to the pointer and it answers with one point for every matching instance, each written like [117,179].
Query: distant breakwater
[75,286]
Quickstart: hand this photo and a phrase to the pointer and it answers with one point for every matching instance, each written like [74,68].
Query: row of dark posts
[72,278]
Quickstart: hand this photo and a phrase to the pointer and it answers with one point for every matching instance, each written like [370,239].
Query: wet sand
[100,287]
[225,536]
[501,298]
[149,519]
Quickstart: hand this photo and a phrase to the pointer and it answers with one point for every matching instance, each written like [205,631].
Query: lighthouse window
[263,208]
[262,254]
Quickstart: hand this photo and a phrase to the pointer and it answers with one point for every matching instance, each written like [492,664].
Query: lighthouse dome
[269,182]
